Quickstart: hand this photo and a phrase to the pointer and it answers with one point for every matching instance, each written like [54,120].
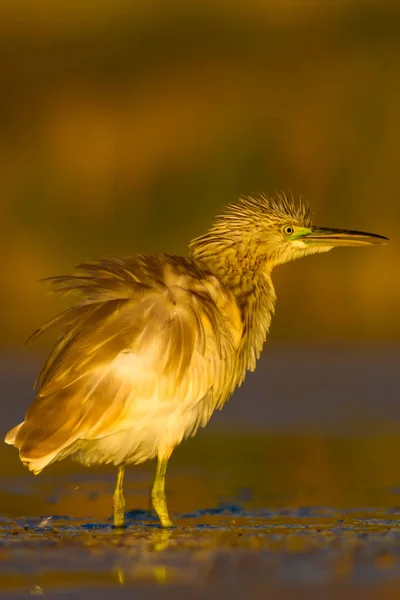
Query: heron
[157,343]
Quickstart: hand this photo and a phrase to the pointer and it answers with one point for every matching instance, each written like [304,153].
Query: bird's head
[268,231]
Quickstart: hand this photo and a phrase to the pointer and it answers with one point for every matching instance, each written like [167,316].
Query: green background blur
[125,125]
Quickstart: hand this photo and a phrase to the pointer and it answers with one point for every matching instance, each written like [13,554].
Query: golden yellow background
[126,125]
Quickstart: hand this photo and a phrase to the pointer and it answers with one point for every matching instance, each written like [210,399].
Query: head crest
[259,205]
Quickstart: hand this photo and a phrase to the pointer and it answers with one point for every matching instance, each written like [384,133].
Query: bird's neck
[251,285]
[256,300]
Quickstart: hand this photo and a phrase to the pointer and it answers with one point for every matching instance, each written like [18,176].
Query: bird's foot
[119,500]
[119,520]
[160,506]
[166,522]
[119,512]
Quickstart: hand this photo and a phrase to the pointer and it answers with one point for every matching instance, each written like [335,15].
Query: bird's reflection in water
[120,575]
[148,562]
[160,539]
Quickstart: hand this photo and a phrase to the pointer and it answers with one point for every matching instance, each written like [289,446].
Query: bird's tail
[12,434]
[34,464]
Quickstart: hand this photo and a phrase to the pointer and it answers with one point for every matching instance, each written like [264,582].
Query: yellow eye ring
[288,230]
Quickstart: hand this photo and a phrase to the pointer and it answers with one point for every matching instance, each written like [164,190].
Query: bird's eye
[288,230]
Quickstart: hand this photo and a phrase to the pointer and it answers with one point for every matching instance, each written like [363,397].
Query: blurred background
[126,125]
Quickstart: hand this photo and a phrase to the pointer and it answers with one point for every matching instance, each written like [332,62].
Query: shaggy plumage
[158,343]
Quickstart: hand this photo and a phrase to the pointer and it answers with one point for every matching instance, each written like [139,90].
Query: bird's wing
[151,329]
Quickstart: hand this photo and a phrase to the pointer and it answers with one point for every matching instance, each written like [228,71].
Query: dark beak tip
[349,237]
[381,239]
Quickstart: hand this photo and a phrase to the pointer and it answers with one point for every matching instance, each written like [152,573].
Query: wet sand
[227,549]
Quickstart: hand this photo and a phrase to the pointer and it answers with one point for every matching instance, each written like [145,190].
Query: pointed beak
[323,236]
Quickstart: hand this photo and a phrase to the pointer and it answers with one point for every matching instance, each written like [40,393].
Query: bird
[157,343]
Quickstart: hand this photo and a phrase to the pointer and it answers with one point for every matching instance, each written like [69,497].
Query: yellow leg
[158,491]
[119,500]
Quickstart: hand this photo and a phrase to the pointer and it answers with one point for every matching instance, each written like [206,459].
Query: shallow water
[272,499]
[232,550]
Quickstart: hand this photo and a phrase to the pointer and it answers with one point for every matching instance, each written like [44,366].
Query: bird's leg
[118,499]
[158,491]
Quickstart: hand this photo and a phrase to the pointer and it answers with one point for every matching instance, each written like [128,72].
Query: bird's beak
[323,236]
